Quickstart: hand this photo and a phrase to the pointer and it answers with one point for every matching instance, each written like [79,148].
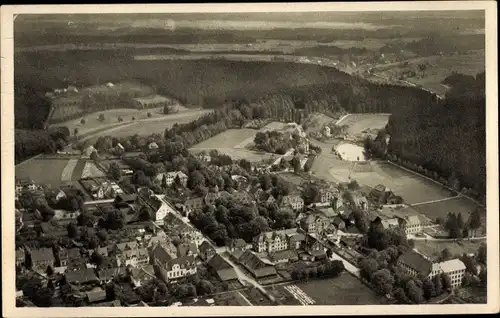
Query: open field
[439,67]
[456,205]
[51,171]
[342,290]
[150,125]
[316,121]
[433,249]
[236,153]
[232,138]
[359,122]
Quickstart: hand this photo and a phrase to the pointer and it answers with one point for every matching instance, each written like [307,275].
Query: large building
[275,241]
[416,264]
[296,202]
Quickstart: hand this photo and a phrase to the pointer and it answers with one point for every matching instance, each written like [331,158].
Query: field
[439,67]
[456,205]
[232,138]
[433,249]
[343,290]
[316,121]
[148,126]
[359,122]
[51,171]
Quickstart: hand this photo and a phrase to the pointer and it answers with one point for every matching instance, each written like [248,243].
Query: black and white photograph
[270,158]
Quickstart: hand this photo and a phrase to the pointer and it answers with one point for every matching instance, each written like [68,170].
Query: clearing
[433,249]
[231,138]
[357,123]
[342,290]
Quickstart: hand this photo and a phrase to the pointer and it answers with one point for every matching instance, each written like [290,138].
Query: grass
[292,178]
[232,138]
[48,171]
[359,122]
[342,290]
[433,249]
[456,205]
[151,125]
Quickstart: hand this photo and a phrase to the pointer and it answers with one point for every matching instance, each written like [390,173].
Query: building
[275,241]
[140,276]
[130,253]
[20,257]
[285,256]
[240,181]
[314,223]
[107,275]
[125,199]
[314,248]
[238,245]
[222,269]
[64,217]
[339,223]
[410,224]
[41,259]
[359,200]
[88,151]
[96,295]
[187,248]
[207,251]
[327,131]
[153,101]
[326,195]
[296,202]
[81,277]
[67,256]
[170,178]
[158,208]
[242,197]
[173,267]
[416,264]
[258,267]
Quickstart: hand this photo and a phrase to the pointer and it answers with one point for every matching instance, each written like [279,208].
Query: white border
[7,123]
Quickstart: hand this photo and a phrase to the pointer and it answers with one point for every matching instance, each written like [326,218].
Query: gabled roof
[146,272]
[452,265]
[256,265]
[110,273]
[184,248]
[417,262]
[41,255]
[162,253]
[205,246]
[96,294]
[81,276]
[126,197]
[218,263]
[285,254]
[238,243]
[183,262]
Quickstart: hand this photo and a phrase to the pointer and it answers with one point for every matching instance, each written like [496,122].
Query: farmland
[232,138]
[343,290]
[54,171]
[357,123]
[433,249]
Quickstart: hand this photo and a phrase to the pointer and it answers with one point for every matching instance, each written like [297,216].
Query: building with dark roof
[186,249]
[207,251]
[81,277]
[222,269]
[140,276]
[173,267]
[42,258]
[284,256]
[257,266]
[107,275]
[95,295]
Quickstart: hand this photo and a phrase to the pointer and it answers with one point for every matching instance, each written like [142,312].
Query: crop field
[456,205]
[342,290]
[433,249]
[359,122]
[51,171]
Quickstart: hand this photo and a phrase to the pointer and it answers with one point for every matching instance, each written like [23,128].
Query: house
[103,251]
[64,217]
[170,177]
[274,241]
[238,245]
[242,197]
[314,223]
[295,201]
[96,295]
[67,256]
[81,277]
[326,195]
[130,254]
[107,275]
[153,146]
[314,248]
[337,202]
[187,248]
[88,151]
[20,257]
[158,208]
[240,181]
[258,267]
[418,265]
[25,184]
[140,276]
[193,204]
[390,223]
[327,131]
[339,223]
[285,256]
[41,259]
[359,200]
[173,267]
[207,251]
[222,269]
[122,199]
[410,224]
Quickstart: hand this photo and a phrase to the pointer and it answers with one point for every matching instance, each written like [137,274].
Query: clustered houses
[416,264]
[170,177]
[130,254]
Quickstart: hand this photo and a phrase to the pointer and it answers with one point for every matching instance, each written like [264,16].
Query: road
[348,266]
[435,201]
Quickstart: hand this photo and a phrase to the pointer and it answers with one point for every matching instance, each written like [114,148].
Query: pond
[350,152]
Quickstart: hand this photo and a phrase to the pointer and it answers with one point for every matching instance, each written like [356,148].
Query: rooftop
[417,262]
[452,265]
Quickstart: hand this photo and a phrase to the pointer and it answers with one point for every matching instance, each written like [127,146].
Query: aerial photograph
[250,159]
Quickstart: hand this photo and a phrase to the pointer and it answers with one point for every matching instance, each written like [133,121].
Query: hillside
[448,138]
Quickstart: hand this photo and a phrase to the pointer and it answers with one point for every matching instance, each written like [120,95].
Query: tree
[470,263]
[383,281]
[101,117]
[75,132]
[114,171]
[120,119]
[452,226]
[310,194]
[205,287]
[133,118]
[265,181]
[149,115]
[415,293]
[460,221]
[481,253]
[438,285]
[367,267]
[82,121]
[140,179]
[445,255]
[429,289]
[483,276]
[475,220]
[446,281]
[94,156]
[97,259]
[400,296]
[353,185]
[361,221]
[73,230]
[196,178]
[102,235]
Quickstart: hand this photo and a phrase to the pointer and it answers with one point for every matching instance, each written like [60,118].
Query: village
[219,231]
